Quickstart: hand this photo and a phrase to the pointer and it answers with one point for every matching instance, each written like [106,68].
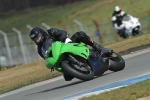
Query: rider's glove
[106,52]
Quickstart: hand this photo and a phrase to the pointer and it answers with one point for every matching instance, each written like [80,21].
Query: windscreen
[45,47]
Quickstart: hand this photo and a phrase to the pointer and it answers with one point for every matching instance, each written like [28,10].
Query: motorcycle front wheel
[83,75]
[116,63]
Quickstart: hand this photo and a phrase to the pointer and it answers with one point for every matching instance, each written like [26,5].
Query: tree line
[18,5]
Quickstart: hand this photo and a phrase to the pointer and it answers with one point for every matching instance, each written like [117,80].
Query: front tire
[67,68]
[117,63]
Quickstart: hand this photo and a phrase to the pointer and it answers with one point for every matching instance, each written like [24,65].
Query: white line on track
[101,91]
[31,86]
[136,53]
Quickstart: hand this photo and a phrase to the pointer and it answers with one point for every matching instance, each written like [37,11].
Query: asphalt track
[137,64]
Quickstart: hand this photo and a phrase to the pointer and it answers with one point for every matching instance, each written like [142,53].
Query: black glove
[106,52]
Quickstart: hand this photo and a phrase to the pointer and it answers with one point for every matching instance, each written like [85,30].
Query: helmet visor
[118,13]
[37,39]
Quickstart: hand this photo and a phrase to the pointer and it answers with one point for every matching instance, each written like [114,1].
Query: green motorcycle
[77,60]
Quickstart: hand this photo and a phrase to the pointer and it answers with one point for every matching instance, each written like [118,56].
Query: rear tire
[67,68]
[116,63]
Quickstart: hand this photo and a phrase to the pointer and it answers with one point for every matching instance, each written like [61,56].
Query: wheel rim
[83,69]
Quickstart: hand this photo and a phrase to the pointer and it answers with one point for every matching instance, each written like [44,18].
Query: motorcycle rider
[117,17]
[39,36]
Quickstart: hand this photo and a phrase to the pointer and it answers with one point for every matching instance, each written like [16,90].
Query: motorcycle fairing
[130,24]
[57,49]
[99,66]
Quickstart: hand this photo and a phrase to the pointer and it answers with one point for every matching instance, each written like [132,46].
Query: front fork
[73,60]
[79,65]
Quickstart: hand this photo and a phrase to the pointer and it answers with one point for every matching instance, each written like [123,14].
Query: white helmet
[117,10]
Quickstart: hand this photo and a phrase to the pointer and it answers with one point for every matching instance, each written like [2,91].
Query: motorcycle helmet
[37,35]
[117,10]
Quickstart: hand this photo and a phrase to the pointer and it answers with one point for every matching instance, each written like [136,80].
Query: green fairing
[59,48]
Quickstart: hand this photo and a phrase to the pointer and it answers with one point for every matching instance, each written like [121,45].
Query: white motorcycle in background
[132,26]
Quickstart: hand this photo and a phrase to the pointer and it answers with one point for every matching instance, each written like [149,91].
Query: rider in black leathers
[39,36]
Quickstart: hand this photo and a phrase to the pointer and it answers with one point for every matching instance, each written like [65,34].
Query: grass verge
[20,76]
[132,92]
[36,71]
[84,11]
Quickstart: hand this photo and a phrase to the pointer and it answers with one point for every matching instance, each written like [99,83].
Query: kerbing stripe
[108,87]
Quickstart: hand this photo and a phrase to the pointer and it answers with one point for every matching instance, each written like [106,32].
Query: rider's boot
[101,49]
[82,37]
[67,77]
[97,46]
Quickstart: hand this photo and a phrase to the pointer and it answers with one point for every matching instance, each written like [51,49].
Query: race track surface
[136,64]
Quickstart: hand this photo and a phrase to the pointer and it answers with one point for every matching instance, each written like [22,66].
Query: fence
[30,52]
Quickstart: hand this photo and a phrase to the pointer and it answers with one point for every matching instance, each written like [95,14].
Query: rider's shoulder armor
[52,31]
[122,13]
[114,18]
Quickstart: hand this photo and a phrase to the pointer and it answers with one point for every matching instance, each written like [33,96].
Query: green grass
[36,16]
[23,75]
[8,88]
[132,92]
[85,11]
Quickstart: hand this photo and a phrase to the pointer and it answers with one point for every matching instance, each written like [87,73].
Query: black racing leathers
[61,35]
[53,35]
[57,35]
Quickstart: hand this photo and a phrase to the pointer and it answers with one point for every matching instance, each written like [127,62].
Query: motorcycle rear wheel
[68,68]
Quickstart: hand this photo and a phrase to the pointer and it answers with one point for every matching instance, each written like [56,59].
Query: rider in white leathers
[117,17]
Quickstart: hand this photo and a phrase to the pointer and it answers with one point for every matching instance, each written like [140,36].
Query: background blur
[18,17]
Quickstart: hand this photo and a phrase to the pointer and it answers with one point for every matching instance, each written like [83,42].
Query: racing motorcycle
[132,26]
[77,60]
